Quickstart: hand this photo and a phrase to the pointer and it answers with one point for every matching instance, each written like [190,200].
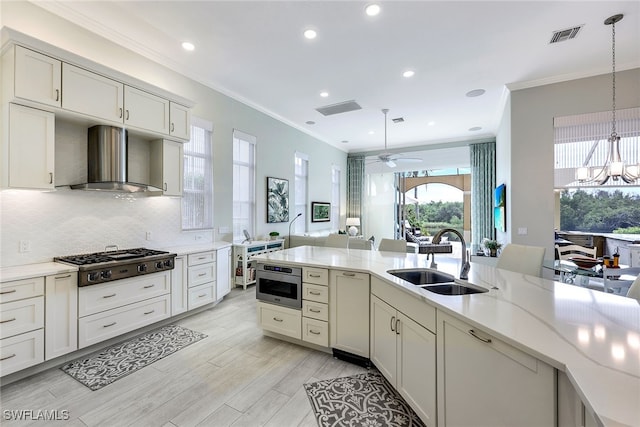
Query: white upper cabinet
[31,148]
[146,111]
[92,94]
[180,121]
[37,77]
[167,166]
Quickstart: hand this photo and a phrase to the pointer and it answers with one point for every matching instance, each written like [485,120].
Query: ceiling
[255,52]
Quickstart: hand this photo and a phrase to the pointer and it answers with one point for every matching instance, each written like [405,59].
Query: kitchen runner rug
[106,366]
[360,400]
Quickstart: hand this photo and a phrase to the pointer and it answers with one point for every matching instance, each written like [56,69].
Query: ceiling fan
[388,158]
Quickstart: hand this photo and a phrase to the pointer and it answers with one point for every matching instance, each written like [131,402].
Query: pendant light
[614,168]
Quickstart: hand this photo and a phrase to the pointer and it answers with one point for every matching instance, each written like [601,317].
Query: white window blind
[301,179]
[581,140]
[244,184]
[197,195]
[335,198]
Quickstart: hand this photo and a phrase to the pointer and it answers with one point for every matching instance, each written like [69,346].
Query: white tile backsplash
[65,222]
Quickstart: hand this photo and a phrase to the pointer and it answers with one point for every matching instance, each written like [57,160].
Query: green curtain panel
[483,182]
[355,187]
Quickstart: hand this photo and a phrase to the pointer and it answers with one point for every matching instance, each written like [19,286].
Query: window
[301,179]
[244,184]
[197,194]
[335,198]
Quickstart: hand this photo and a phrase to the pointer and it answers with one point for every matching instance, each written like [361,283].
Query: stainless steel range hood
[107,162]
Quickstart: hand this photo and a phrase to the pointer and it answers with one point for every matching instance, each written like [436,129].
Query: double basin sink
[435,281]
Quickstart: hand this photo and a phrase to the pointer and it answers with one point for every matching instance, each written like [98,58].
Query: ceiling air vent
[567,34]
[398,120]
[340,107]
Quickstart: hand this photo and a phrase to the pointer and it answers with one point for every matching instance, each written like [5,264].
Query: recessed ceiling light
[475,92]
[372,9]
[475,129]
[324,94]
[431,123]
[408,73]
[310,122]
[371,132]
[310,34]
[188,46]
[344,141]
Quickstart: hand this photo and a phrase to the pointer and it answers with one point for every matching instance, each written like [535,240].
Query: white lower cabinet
[571,410]
[485,381]
[61,331]
[21,351]
[405,353]
[201,279]
[315,308]
[223,272]
[349,312]
[281,320]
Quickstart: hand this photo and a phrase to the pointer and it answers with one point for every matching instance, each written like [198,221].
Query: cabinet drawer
[201,274]
[315,331]
[319,276]
[315,310]
[201,295]
[21,316]
[200,258]
[96,298]
[99,327]
[21,351]
[317,293]
[21,289]
[282,320]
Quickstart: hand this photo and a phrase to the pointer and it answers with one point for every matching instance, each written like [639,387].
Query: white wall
[277,143]
[379,205]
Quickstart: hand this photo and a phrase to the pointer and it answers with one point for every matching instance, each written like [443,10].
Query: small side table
[243,253]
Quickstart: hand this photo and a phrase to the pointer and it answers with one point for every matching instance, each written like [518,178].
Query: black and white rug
[360,400]
[100,369]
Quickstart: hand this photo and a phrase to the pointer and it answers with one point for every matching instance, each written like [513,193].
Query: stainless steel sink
[454,289]
[422,276]
[435,281]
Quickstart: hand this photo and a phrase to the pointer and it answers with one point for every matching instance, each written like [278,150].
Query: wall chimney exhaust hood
[107,162]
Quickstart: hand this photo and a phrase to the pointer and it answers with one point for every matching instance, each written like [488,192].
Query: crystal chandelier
[614,168]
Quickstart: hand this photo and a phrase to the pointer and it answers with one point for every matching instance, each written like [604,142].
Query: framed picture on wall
[277,200]
[500,208]
[320,212]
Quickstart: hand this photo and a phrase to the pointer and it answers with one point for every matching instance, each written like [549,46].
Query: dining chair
[337,241]
[634,289]
[521,259]
[568,251]
[619,280]
[391,245]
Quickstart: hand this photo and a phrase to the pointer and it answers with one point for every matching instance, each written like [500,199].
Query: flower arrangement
[491,246]
[274,235]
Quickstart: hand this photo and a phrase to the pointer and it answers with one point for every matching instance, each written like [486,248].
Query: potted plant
[491,246]
[274,235]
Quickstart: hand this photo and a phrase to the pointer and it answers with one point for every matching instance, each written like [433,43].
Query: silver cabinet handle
[127,114]
[397,326]
[8,357]
[57,94]
[393,322]
[202,274]
[314,332]
[349,274]
[314,310]
[109,325]
[63,277]
[173,127]
[202,295]
[120,112]
[149,312]
[165,186]
[10,291]
[149,286]
[314,275]
[475,335]
[109,296]
[277,320]
[8,320]
[314,293]
[50,177]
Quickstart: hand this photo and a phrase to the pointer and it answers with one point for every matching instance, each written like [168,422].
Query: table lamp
[353,224]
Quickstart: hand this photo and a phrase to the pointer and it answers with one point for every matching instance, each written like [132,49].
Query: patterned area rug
[100,369]
[360,400]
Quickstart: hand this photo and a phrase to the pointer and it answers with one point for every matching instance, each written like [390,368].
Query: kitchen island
[591,338]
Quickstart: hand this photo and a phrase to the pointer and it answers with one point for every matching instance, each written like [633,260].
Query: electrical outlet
[148,235]
[24,246]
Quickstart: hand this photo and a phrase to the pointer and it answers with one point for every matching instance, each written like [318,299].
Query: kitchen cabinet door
[146,111]
[179,288]
[61,315]
[485,381]
[383,338]
[167,165]
[223,273]
[180,117]
[31,148]
[37,77]
[92,94]
[349,312]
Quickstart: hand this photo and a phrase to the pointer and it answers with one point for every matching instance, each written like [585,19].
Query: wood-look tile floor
[234,377]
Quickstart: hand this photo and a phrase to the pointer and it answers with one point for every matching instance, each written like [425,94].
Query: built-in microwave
[279,284]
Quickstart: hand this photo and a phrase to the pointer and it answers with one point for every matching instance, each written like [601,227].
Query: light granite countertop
[28,271]
[192,249]
[591,336]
